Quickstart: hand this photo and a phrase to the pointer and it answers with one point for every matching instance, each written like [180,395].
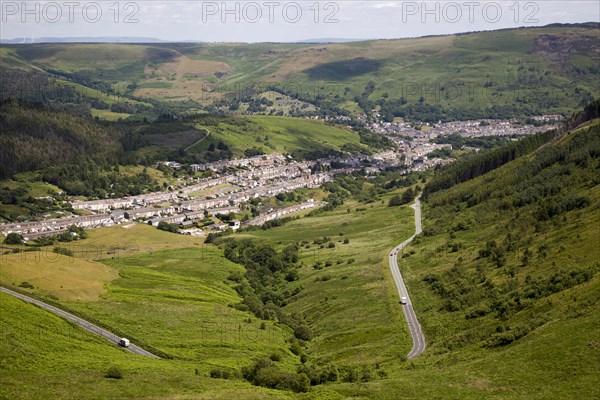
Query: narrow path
[414,327]
[199,140]
[81,322]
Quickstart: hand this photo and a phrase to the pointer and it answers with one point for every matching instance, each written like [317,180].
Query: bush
[114,373]
[13,238]
[26,285]
[395,201]
[217,373]
[303,332]
[164,226]
[296,348]
[275,356]
[64,251]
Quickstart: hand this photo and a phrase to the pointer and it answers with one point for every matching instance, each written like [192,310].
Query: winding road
[416,332]
[84,324]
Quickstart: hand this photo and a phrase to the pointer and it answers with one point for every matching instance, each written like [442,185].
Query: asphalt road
[84,324]
[416,332]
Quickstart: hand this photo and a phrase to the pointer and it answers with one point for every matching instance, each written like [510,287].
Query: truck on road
[124,342]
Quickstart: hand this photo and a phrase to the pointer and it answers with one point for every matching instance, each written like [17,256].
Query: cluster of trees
[33,138]
[457,141]
[29,205]
[91,179]
[266,373]
[263,285]
[341,189]
[407,197]
[220,151]
[165,226]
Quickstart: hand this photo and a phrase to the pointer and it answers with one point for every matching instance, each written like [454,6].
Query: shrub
[26,285]
[264,373]
[303,332]
[275,356]
[64,251]
[295,348]
[114,373]
[218,373]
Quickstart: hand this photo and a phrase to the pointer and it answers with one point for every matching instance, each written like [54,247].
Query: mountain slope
[504,73]
[33,138]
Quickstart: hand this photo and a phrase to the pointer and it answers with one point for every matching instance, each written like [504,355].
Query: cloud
[385,5]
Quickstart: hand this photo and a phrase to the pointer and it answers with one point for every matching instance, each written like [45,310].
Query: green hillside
[268,134]
[505,73]
[504,280]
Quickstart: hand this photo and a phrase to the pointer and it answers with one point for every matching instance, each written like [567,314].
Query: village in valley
[238,181]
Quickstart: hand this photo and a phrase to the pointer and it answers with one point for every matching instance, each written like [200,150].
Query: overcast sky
[279,21]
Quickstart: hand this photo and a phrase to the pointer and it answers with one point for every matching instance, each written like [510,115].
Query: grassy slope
[285,135]
[503,59]
[559,357]
[38,347]
[350,331]
[355,313]
[62,277]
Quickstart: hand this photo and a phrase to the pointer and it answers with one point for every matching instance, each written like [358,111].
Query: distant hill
[497,74]
[83,39]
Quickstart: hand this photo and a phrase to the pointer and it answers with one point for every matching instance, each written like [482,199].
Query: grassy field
[56,275]
[37,346]
[347,332]
[108,115]
[276,134]
[35,188]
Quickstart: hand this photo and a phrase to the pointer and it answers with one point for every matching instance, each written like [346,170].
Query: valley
[384,219]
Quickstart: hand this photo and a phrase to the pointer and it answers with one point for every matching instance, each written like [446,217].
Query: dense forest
[34,138]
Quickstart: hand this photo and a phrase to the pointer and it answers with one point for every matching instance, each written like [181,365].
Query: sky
[279,21]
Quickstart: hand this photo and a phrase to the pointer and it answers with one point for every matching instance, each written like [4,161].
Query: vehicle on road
[124,342]
[403,300]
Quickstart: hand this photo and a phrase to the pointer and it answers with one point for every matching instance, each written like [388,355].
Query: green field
[276,134]
[108,115]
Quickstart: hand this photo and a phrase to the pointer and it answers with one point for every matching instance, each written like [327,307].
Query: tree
[395,201]
[13,238]
[408,196]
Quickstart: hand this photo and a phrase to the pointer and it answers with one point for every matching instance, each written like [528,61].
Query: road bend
[416,332]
